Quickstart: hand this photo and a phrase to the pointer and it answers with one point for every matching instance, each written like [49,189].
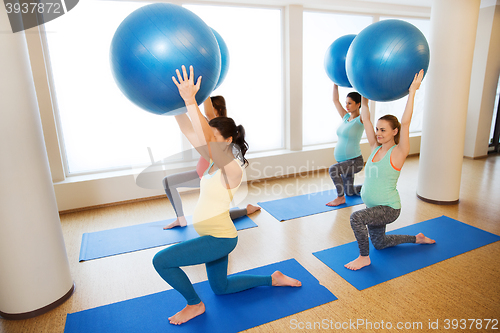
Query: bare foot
[281,280]
[179,222]
[252,209]
[421,239]
[358,263]
[338,201]
[188,313]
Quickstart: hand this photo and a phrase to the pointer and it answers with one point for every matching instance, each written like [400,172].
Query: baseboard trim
[476,157]
[437,202]
[35,313]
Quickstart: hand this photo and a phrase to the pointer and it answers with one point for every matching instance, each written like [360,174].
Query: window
[253,86]
[495,123]
[101,129]
[320,118]
[495,110]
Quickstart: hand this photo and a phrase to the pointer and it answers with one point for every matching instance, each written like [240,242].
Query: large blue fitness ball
[384,57]
[224,58]
[150,44]
[334,62]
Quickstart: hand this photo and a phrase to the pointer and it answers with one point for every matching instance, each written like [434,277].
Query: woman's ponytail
[239,139]
[228,129]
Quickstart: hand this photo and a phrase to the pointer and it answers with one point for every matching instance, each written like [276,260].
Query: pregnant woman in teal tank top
[390,145]
[347,151]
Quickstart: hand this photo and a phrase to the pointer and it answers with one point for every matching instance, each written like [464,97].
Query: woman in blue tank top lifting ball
[390,145]
[347,151]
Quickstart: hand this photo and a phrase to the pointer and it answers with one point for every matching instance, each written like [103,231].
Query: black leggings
[373,221]
[342,175]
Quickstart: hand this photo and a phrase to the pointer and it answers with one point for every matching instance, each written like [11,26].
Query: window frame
[188,157]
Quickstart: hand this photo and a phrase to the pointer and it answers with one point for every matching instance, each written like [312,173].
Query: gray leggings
[373,220]
[189,179]
[342,175]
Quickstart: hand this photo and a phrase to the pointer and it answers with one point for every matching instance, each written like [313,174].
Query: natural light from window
[100,129]
[320,118]
[253,87]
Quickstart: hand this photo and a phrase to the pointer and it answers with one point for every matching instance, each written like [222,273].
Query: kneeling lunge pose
[218,236]
[390,145]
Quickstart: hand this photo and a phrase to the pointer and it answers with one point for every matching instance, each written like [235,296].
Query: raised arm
[209,109]
[187,129]
[403,148]
[367,123]
[336,101]
[188,89]
[205,136]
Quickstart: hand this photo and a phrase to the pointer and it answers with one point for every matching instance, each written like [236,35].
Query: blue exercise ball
[384,57]
[335,60]
[150,44]
[224,58]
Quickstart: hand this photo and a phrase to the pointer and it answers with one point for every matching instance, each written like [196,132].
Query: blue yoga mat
[307,204]
[142,236]
[452,238]
[224,313]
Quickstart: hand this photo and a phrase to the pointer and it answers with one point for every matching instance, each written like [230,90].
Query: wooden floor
[463,287]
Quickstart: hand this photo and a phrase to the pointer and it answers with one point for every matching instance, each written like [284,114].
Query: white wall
[484,81]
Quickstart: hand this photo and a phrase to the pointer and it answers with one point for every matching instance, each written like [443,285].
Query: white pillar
[484,81]
[453,34]
[34,268]
[293,60]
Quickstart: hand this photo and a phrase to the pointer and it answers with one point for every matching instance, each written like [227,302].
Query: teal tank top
[381,178]
[349,134]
